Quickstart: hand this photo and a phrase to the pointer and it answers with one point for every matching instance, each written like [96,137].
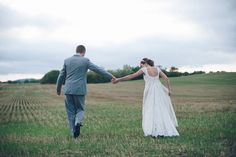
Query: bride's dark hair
[148,61]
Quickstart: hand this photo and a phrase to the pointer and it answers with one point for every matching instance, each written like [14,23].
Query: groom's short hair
[80,49]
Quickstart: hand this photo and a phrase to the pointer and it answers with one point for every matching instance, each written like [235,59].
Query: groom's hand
[58,93]
[113,79]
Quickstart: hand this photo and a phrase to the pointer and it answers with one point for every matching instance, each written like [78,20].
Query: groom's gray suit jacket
[74,73]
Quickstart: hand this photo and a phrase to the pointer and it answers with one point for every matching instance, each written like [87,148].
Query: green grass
[209,79]
[33,120]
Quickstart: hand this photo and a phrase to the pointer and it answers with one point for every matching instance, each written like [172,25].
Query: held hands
[115,80]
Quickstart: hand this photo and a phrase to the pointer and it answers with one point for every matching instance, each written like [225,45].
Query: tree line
[92,77]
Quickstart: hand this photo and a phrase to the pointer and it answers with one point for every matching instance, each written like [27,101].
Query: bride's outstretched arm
[129,77]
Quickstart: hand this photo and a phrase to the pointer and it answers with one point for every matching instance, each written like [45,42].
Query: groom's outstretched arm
[61,78]
[99,70]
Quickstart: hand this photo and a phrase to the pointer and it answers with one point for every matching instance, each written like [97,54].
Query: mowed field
[33,121]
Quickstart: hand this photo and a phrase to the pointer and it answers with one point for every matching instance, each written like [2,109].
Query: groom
[73,74]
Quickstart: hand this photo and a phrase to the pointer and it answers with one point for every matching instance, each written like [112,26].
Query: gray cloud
[10,18]
[20,57]
[214,16]
[164,52]
[42,57]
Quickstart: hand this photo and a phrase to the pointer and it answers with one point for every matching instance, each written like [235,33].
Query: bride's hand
[169,93]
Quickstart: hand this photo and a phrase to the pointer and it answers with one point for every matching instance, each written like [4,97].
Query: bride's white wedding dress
[158,114]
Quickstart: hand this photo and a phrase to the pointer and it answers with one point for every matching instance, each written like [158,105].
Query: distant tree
[135,69]
[198,72]
[174,74]
[164,70]
[93,77]
[34,81]
[127,69]
[185,74]
[173,69]
[26,81]
[50,77]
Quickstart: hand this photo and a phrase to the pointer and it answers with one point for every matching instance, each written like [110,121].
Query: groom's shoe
[77,130]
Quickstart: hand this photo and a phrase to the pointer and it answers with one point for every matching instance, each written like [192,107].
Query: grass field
[33,120]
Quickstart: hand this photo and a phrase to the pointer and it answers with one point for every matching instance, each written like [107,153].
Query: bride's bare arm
[163,75]
[129,77]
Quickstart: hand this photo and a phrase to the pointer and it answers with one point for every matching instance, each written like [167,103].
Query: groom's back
[74,74]
[76,68]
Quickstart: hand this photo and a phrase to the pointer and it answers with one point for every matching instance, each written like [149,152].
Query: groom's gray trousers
[75,110]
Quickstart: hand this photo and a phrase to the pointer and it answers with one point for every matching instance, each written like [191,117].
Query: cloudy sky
[37,35]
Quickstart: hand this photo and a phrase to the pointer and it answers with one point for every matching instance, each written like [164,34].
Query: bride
[158,116]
